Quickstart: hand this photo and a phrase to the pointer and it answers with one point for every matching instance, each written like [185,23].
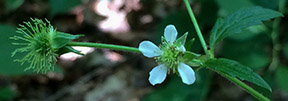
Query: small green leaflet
[236,69]
[239,20]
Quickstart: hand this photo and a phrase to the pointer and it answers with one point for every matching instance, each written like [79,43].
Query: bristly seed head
[37,43]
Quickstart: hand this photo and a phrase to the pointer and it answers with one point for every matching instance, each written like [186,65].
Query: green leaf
[281,78]
[235,69]
[60,6]
[239,20]
[60,39]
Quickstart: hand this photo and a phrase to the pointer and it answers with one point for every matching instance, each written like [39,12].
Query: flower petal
[149,49]
[187,74]
[158,74]
[170,33]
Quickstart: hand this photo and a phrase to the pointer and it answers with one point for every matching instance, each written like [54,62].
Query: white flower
[169,56]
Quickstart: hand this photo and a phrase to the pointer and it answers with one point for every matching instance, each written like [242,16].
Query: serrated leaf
[239,20]
[60,39]
[235,69]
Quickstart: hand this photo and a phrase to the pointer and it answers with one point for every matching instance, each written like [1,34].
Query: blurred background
[107,75]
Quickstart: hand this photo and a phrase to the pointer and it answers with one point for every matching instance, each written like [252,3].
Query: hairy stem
[246,87]
[194,21]
[102,45]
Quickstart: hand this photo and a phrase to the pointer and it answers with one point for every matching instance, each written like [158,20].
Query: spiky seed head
[36,41]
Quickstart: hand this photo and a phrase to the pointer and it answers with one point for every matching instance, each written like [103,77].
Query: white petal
[158,74]
[149,49]
[187,74]
[182,48]
[170,33]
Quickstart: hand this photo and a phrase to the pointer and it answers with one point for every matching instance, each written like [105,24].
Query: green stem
[246,87]
[194,21]
[275,38]
[102,45]
[211,55]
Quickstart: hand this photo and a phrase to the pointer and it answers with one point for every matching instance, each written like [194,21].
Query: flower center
[171,57]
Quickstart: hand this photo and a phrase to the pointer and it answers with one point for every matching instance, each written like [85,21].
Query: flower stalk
[196,26]
[106,46]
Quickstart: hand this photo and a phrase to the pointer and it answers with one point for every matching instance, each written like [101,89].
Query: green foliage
[175,90]
[236,69]
[249,33]
[60,6]
[7,94]
[281,78]
[13,4]
[239,20]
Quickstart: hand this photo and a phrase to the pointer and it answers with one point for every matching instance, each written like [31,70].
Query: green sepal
[163,39]
[189,44]
[60,39]
[235,69]
[194,63]
[67,49]
[193,59]
[181,40]
[190,55]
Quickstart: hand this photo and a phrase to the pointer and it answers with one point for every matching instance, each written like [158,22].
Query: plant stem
[246,87]
[194,21]
[275,38]
[210,55]
[102,45]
